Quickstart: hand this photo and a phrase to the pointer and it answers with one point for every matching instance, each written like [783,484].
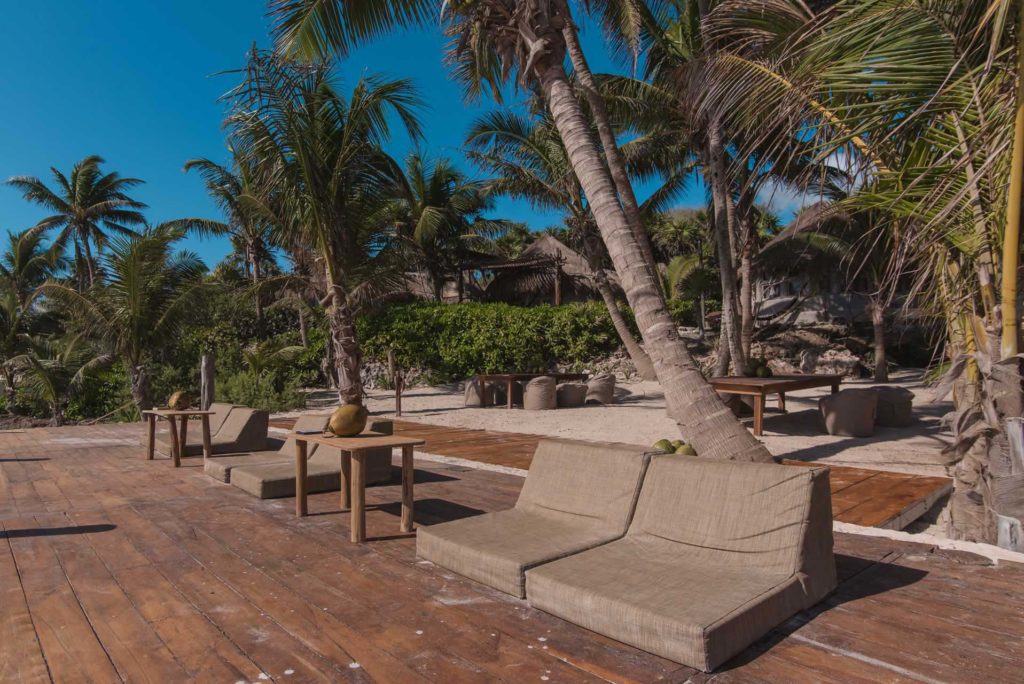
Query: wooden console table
[353,474]
[179,433]
[760,388]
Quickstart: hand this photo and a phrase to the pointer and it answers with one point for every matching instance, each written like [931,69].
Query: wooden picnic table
[508,378]
[353,474]
[760,388]
[179,434]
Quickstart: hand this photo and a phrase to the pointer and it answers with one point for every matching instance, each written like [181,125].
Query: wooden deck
[870,498]
[113,568]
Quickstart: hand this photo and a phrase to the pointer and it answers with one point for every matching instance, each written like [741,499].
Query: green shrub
[456,341]
[103,393]
[264,390]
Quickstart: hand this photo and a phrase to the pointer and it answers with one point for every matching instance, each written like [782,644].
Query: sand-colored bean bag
[895,406]
[473,393]
[571,395]
[850,413]
[540,394]
[601,389]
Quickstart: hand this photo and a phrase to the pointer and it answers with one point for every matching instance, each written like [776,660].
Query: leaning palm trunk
[347,356]
[703,419]
[640,359]
[616,164]
[746,298]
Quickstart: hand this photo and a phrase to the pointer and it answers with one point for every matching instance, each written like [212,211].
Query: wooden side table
[353,474]
[179,432]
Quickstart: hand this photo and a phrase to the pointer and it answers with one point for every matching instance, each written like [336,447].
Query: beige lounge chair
[195,432]
[539,394]
[576,496]
[718,554]
[243,430]
[220,467]
[323,470]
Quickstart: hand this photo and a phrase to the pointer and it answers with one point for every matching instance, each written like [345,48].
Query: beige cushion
[717,555]
[849,413]
[571,395]
[276,479]
[895,406]
[195,432]
[539,394]
[576,496]
[244,430]
[601,389]
[220,467]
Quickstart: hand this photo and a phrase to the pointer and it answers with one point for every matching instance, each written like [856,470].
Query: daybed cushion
[323,470]
[220,467]
[576,496]
[194,434]
[539,394]
[244,430]
[717,555]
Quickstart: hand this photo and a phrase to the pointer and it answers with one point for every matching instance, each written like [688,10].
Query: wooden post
[397,380]
[346,480]
[207,445]
[558,281]
[173,429]
[182,441]
[151,429]
[407,481]
[358,535]
[758,414]
[300,478]
[207,375]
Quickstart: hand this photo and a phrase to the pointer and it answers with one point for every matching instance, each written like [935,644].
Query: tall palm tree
[27,263]
[148,299]
[529,162]
[492,40]
[332,183]
[88,206]
[248,231]
[439,211]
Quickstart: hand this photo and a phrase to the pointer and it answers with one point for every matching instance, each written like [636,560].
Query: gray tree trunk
[138,378]
[702,417]
[347,355]
[746,297]
[207,379]
[876,309]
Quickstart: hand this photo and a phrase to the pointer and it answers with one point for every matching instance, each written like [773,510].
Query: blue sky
[136,84]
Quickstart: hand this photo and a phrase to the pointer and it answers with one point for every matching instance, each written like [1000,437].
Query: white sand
[639,417]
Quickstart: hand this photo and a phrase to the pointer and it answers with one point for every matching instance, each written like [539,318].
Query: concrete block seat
[276,479]
[895,406]
[717,555]
[850,412]
[220,467]
[243,430]
[195,433]
[576,496]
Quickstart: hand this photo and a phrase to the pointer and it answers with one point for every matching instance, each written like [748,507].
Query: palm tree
[529,162]
[332,184]
[438,210]
[492,40]
[262,356]
[88,206]
[147,301]
[56,370]
[28,263]
[249,233]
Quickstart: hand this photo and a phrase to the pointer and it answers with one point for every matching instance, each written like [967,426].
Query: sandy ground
[639,417]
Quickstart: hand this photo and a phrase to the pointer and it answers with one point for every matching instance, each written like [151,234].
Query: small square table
[760,388]
[178,440]
[353,473]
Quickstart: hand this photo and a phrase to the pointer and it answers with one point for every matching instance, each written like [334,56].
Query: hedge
[457,341]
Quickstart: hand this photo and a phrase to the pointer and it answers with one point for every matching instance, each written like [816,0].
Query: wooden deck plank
[223,587]
[21,655]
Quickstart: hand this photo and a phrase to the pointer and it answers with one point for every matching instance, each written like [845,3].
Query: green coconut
[764,372]
[686,450]
[664,446]
[348,420]
[676,443]
[178,401]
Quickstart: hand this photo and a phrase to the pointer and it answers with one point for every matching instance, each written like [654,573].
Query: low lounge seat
[323,469]
[718,554]
[539,394]
[601,389]
[571,395]
[195,433]
[895,406]
[576,496]
[850,412]
[244,429]
[220,467]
